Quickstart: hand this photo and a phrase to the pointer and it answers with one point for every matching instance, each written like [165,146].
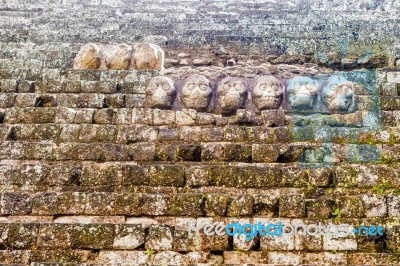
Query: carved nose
[303,90]
[269,92]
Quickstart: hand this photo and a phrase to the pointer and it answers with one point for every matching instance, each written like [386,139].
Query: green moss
[392,138]
[149,252]
[384,188]
[336,213]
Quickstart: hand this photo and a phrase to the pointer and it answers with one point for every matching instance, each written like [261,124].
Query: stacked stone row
[337,94]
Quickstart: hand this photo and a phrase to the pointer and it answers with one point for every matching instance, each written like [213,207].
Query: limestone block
[159,237]
[128,236]
[118,56]
[147,56]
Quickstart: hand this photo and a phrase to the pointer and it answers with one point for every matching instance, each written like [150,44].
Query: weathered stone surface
[128,236]
[159,238]
[88,57]
[16,203]
[147,56]
[292,206]
[118,56]
[125,257]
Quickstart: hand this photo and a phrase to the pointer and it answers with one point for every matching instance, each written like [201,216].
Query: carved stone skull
[160,92]
[302,93]
[231,95]
[196,93]
[267,93]
[338,95]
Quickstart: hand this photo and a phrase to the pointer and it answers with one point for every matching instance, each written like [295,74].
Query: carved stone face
[338,94]
[267,93]
[196,93]
[231,94]
[160,92]
[302,93]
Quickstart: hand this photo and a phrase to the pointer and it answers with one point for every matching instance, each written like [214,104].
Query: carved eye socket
[311,88]
[225,87]
[191,86]
[203,87]
[334,87]
[262,87]
[166,87]
[239,86]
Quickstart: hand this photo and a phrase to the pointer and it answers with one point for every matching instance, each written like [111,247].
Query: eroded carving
[148,56]
[231,95]
[89,57]
[267,93]
[160,92]
[302,93]
[338,95]
[118,56]
[196,93]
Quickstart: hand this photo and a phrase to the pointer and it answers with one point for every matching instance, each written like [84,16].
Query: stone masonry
[123,123]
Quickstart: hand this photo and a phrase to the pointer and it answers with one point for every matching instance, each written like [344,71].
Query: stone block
[154,204]
[93,236]
[167,175]
[159,237]
[374,205]
[55,236]
[16,203]
[319,208]
[393,202]
[351,207]
[292,206]
[266,205]
[265,153]
[57,203]
[240,206]
[99,203]
[128,204]
[215,204]
[123,257]
[188,204]
[128,236]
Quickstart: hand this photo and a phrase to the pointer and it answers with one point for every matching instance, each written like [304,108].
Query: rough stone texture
[88,57]
[122,123]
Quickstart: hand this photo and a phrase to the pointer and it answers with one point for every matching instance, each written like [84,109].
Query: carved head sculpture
[338,95]
[160,92]
[88,57]
[302,93]
[196,93]
[267,93]
[148,56]
[231,94]
[118,56]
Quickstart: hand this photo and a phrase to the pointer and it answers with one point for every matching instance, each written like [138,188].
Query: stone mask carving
[196,93]
[302,93]
[231,95]
[338,95]
[160,92]
[267,93]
